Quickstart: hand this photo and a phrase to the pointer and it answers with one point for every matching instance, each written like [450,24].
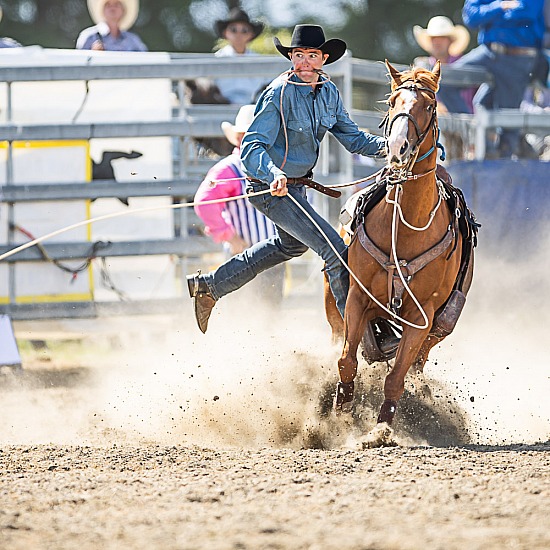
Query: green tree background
[373,29]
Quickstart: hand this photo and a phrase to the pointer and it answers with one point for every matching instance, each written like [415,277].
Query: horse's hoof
[343,400]
[380,436]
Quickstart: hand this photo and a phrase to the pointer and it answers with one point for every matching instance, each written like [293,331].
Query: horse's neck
[419,196]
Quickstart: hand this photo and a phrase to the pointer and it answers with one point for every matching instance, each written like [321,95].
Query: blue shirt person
[311,107]
[113,18]
[510,33]
[309,113]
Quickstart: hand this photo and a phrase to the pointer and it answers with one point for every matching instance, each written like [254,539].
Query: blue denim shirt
[520,27]
[308,116]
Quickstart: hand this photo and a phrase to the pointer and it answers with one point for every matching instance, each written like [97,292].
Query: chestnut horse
[406,256]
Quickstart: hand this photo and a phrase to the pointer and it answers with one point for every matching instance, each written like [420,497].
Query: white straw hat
[131,10]
[243,120]
[442,26]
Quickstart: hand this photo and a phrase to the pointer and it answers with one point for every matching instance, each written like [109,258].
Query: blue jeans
[296,233]
[511,75]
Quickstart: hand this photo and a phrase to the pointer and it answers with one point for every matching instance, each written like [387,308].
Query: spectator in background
[237,223]
[510,33]
[113,18]
[7,42]
[239,31]
[444,41]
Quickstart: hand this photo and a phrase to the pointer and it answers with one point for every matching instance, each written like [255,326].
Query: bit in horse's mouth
[396,163]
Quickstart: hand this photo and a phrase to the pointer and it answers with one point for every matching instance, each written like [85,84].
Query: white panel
[9,353]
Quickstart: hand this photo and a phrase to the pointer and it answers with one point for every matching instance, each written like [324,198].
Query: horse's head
[412,112]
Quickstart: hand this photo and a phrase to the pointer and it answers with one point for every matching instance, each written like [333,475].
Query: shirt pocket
[327,121]
[298,131]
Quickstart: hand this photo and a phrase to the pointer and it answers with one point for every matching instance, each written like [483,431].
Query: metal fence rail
[189,122]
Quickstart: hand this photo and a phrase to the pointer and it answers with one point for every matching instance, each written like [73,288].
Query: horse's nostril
[404,148]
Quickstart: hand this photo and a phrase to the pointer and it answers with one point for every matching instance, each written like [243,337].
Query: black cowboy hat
[313,36]
[236,15]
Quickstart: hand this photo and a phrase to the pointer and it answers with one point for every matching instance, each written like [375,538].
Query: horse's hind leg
[354,327]
[419,381]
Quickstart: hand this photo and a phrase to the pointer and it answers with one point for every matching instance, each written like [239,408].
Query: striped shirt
[223,220]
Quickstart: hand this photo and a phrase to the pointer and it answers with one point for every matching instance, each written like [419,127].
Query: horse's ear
[395,75]
[437,71]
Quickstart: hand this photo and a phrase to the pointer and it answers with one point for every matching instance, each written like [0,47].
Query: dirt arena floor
[143,433]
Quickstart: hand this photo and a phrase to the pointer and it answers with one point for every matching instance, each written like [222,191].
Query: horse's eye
[429,108]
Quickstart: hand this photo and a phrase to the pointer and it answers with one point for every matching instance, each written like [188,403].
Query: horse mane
[417,75]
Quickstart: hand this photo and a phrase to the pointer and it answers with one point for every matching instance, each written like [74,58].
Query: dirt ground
[144,433]
[155,496]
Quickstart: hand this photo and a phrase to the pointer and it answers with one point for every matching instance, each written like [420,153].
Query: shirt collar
[305,90]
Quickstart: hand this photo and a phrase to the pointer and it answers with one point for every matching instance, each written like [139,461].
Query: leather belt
[310,183]
[496,47]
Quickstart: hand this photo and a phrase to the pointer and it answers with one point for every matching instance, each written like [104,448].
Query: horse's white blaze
[398,134]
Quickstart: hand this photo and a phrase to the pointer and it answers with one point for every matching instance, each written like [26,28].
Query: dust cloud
[264,377]
[497,358]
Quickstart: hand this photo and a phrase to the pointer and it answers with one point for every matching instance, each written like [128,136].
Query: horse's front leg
[354,326]
[394,386]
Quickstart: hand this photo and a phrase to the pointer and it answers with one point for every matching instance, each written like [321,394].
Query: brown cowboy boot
[204,302]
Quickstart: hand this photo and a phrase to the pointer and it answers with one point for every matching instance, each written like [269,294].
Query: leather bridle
[387,124]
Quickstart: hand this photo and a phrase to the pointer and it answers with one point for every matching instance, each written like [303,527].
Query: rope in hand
[90,221]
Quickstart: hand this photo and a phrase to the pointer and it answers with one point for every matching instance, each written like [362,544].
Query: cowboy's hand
[278,186]
[237,244]
[98,45]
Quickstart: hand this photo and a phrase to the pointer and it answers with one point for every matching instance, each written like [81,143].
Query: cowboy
[446,42]
[238,30]
[279,152]
[442,39]
[237,223]
[6,42]
[113,18]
